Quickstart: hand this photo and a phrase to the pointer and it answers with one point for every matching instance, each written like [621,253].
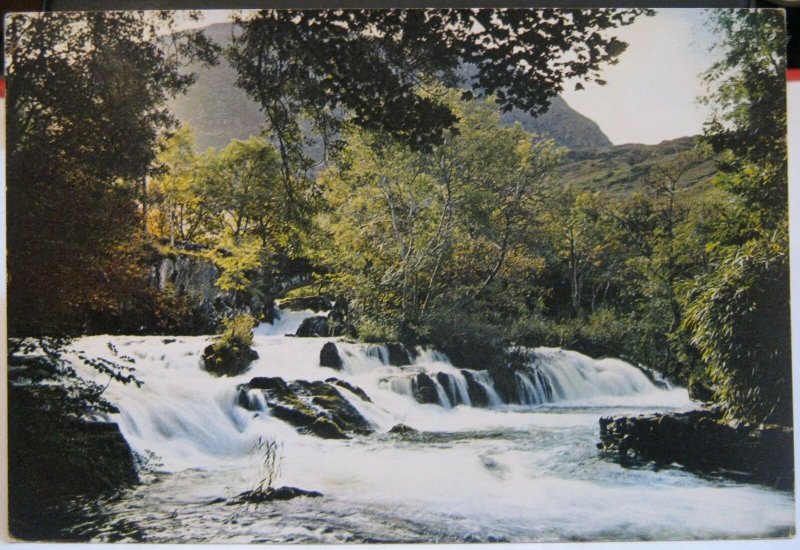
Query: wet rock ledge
[701,440]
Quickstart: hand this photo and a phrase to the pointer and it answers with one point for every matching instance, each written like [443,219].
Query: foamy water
[516,473]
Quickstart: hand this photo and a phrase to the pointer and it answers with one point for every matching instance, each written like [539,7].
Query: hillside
[219,111]
[622,169]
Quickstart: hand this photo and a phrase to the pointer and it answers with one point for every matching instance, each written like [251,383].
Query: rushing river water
[518,473]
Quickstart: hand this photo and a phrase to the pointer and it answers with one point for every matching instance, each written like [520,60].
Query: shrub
[237,332]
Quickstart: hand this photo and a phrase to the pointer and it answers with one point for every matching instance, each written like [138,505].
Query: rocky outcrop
[329,357]
[194,278]
[316,407]
[702,440]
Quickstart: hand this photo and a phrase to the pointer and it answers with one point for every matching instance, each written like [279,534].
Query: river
[512,473]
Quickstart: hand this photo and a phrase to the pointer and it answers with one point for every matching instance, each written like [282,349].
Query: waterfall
[182,412]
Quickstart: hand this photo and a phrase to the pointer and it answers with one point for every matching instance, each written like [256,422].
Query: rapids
[521,472]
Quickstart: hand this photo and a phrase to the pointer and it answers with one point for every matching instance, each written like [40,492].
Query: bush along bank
[703,441]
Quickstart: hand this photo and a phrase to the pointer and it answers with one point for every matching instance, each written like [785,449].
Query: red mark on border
[793,74]
[2,87]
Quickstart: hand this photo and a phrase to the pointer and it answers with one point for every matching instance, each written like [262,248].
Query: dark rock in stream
[312,407]
[269,495]
[329,356]
[313,327]
[399,355]
[477,393]
[505,381]
[701,440]
[402,429]
[424,389]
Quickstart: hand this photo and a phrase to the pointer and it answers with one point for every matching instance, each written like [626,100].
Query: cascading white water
[509,465]
[183,413]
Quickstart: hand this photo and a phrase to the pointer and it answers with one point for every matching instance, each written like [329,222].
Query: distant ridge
[623,169]
[219,111]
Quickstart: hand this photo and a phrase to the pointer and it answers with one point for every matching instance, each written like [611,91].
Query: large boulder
[703,440]
[329,357]
[316,326]
[55,458]
[228,360]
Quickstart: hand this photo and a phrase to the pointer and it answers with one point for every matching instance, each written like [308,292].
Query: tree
[581,232]
[371,68]
[415,233]
[243,185]
[738,313]
[86,94]
[180,210]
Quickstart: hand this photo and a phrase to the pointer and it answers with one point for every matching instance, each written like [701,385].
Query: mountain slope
[219,111]
[623,169]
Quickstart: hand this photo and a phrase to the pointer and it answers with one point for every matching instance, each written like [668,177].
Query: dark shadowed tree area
[86,94]
[738,313]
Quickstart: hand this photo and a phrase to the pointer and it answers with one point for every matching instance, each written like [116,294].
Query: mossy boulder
[231,354]
[327,429]
[228,360]
[350,387]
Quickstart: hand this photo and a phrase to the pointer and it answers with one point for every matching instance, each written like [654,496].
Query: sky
[651,94]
